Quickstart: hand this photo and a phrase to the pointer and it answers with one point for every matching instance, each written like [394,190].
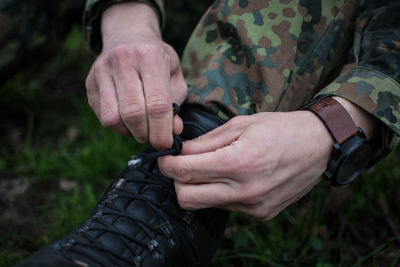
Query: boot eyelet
[138,261]
[188,217]
[70,243]
[167,229]
[98,215]
[152,244]
[157,256]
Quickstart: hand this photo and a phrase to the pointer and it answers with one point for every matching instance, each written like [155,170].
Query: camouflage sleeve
[373,80]
[92,17]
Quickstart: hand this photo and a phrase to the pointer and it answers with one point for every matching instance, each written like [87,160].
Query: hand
[136,78]
[256,164]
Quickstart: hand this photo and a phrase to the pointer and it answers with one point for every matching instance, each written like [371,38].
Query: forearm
[121,22]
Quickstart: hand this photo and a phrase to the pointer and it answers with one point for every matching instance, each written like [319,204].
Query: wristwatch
[351,151]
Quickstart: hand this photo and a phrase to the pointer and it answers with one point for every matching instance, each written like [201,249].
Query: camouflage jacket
[251,56]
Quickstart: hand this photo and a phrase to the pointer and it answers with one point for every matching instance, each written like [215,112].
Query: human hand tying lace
[136,78]
[257,164]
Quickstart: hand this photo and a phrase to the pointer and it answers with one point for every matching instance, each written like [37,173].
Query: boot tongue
[197,121]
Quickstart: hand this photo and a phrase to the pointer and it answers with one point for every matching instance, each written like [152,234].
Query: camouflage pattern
[92,17]
[31,30]
[373,80]
[249,56]
[254,56]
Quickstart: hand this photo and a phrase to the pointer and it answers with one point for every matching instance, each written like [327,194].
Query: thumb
[177,125]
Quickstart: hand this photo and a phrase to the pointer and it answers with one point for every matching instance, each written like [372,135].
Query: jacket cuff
[379,95]
[92,19]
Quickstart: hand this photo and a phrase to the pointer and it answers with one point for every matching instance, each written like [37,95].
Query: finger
[109,108]
[217,166]
[178,125]
[92,92]
[155,75]
[217,138]
[130,94]
[193,197]
[178,86]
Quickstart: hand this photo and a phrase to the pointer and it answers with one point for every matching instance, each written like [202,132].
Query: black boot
[138,222]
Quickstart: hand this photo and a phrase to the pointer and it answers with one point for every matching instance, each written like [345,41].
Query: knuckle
[172,54]
[140,135]
[182,174]
[235,123]
[140,139]
[236,120]
[161,141]
[165,168]
[153,49]
[169,49]
[100,65]
[110,119]
[133,115]
[158,107]
[121,52]
[184,200]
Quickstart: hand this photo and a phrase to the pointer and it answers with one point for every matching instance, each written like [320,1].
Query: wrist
[318,135]
[351,150]
[125,21]
[361,118]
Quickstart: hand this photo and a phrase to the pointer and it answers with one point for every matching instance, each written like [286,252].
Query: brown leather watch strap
[336,119]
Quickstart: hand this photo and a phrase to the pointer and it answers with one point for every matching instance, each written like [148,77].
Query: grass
[56,161]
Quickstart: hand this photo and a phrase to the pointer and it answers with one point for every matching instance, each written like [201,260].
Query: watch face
[355,161]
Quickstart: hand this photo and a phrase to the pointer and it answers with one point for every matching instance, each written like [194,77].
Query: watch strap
[335,118]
